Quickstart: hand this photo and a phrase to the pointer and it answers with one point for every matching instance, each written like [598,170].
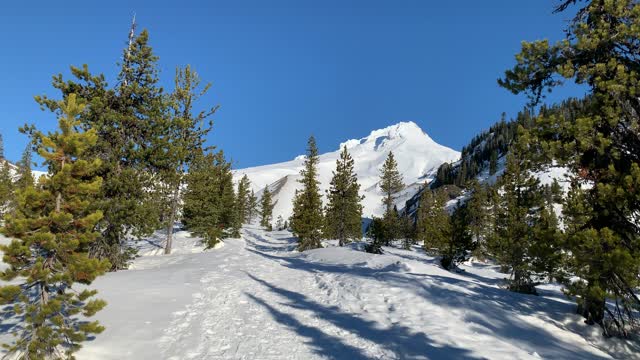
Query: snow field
[255,298]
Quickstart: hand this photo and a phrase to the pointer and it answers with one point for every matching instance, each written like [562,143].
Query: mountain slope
[417,154]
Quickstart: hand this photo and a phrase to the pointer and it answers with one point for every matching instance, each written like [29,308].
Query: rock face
[418,158]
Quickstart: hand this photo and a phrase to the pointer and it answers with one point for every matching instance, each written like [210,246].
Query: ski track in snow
[255,298]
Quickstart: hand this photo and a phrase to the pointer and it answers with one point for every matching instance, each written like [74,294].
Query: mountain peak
[418,158]
[391,136]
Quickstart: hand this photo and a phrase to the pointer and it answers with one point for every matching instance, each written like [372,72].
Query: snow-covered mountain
[418,158]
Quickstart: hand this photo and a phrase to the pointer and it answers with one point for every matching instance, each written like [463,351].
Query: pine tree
[203,208]
[306,221]
[599,51]
[128,119]
[521,218]
[229,216]
[6,187]
[343,214]
[52,228]
[266,209]
[243,199]
[184,134]
[280,223]
[1,148]
[493,162]
[390,184]
[433,223]
[252,207]
[24,174]
[478,217]
[376,232]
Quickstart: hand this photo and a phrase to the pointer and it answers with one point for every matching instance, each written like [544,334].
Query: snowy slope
[256,299]
[14,170]
[418,158]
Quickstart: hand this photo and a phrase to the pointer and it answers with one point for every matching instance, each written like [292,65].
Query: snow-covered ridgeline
[418,158]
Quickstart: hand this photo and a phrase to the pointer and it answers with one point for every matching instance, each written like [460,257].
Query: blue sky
[282,70]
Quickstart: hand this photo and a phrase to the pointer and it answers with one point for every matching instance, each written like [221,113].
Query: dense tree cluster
[126,161]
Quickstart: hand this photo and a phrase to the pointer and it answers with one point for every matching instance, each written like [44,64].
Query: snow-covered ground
[418,158]
[255,298]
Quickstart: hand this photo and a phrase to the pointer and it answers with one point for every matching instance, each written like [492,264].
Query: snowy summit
[418,158]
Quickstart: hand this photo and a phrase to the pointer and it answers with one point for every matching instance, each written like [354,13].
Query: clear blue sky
[282,70]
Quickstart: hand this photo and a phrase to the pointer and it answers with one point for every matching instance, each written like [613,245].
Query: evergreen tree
[390,184]
[478,217]
[599,51]
[376,232]
[433,223]
[460,243]
[24,174]
[306,221]
[203,205]
[493,162]
[266,209]
[343,214]
[52,228]
[128,118]
[252,207]
[521,218]
[184,134]
[229,216]
[1,148]
[6,186]
[243,199]
[280,223]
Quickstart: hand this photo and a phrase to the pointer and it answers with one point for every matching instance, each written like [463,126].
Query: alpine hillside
[418,157]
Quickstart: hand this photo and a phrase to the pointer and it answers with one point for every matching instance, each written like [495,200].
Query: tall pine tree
[343,214]
[184,135]
[128,118]
[391,184]
[306,221]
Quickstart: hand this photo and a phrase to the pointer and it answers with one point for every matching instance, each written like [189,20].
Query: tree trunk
[593,309]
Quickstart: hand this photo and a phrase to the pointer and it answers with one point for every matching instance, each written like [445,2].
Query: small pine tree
[1,148]
[243,199]
[266,209]
[307,219]
[252,206]
[493,162]
[52,228]
[24,173]
[343,214]
[376,232]
[433,223]
[280,223]
[229,217]
[202,209]
[390,184]
[6,187]
[521,218]
[477,217]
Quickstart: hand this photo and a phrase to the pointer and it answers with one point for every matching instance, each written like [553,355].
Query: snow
[418,158]
[256,298]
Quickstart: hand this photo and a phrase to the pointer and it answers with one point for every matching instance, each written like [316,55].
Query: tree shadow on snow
[488,309]
[398,339]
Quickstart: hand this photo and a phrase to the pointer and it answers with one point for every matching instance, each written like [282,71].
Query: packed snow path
[254,298]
